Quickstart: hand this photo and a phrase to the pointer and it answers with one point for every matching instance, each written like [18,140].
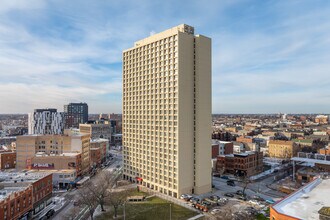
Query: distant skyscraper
[167,112]
[46,121]
[75,114]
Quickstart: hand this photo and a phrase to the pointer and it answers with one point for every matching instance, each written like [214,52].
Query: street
[116,163]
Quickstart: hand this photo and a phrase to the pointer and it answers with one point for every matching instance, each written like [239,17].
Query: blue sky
[268,56]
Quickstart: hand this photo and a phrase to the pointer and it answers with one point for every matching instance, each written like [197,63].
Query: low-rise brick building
[7,159]
[242,164]
[24,194]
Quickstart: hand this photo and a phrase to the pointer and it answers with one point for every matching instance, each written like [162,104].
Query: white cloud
[50,51]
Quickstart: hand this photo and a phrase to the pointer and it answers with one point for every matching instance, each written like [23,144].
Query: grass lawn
[261,217]
[153,208]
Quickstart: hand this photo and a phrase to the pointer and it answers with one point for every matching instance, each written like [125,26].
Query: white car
[254,202]
[185,196]
[215,211]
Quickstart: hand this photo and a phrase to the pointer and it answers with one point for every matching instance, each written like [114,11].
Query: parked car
[202,207]
[185,197]
[230,183]
[270,201]
[254,202]
[229,195]
[242,198]
[50,213]
[194,200]
[214,197]
[256,197]
[207,203]
[239,192]
[224,177]
[215,211]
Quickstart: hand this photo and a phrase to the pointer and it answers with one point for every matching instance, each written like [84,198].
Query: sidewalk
[59,203]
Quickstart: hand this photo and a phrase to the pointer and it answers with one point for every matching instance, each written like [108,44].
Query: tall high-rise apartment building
[167,112]
[75,114]
[46,121]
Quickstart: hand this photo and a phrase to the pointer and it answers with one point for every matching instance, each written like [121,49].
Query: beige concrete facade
[167,112]
[96,130]
[27,146]
[66,161]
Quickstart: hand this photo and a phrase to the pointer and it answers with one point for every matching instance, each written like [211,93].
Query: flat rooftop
[66,154]
[308,160]
[99,140]
[307,201]
[22,177]
[7,191]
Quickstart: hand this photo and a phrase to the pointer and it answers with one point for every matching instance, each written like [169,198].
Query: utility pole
[170,211]
[124,210]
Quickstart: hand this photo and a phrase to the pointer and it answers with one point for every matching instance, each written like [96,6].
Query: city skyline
[268,57]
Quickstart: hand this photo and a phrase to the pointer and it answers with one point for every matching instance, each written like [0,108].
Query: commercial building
[65,161]
[24,193]
[311,165]
[304,203]
[222,148]
[95,159]
[99,150]
[167,112]
[64,178]
[97,130]
[7,159]
[75,114]
[242,164]
[282,149]
[71,142]
[46,121]
[117,139]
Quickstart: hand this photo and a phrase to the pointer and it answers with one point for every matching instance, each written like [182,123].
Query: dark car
[242,198]
[194,200]
[230,183]
[50,213]
[224,177]
[239,192]
[256,197]
[229,195]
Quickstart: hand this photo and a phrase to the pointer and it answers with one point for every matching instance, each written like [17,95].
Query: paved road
[265,193]
[117,161]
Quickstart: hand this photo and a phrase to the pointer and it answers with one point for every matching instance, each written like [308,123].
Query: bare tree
[245,180]
[100,187]
[96,192]
[88,199]
[117,198]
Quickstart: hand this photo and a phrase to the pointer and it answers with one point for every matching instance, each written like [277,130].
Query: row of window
[170,39]
[162,59]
